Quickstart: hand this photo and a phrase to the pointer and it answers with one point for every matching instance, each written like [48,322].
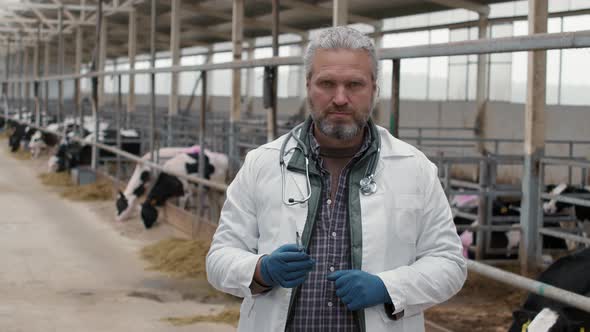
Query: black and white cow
[168,186]
[17,135]
[582,213]
[141,181]
[544,314]
[499,239]
[72,154]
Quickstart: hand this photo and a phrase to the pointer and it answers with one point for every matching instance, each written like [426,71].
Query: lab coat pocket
[405,210]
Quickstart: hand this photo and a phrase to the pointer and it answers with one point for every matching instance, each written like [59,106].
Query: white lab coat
[408,236]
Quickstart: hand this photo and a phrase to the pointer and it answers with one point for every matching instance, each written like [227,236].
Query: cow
[581,212]
[168,186]
[71,154]
[41,141]
[506,239]
[18,132]
[570,273]
[140,182]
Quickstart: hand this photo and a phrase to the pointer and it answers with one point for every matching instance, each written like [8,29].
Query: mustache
[339,109]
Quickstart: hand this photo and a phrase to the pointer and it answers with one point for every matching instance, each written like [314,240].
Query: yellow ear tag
[525,326]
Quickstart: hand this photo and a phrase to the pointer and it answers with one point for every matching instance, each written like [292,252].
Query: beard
[340,130]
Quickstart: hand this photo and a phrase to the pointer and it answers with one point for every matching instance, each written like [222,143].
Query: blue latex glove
[359,289]
[287,266]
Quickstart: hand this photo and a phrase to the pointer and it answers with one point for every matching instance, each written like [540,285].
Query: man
[361,238]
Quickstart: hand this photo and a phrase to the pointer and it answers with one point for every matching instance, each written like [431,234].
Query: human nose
[340,96]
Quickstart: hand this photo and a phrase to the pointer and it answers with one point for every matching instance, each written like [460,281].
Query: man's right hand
[287,266]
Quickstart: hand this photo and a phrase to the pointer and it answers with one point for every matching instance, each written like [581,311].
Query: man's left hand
[359,289]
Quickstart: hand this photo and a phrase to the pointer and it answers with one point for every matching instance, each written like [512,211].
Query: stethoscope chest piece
[368,186]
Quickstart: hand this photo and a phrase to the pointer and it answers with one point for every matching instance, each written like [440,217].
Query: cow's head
[553,206]
[122,203]
[149,213]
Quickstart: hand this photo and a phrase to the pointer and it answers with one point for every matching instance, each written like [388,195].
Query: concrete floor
[63,268]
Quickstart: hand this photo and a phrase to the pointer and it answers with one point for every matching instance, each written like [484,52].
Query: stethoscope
[367,183]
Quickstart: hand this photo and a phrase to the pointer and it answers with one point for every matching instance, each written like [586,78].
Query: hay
[101,190]
[178,257]
[61,179]
[21,154]
[228,316]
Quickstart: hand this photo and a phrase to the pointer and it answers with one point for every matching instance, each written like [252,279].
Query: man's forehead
[334,60]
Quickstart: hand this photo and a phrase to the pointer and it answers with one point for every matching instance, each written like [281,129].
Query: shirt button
[331,269]
[329,202]
[334,234]
[330,304]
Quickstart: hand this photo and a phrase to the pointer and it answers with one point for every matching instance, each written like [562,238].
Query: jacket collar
[390,146]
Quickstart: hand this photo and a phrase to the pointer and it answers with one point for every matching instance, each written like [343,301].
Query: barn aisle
[64,269]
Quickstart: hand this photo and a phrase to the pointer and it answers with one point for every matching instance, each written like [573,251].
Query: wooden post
[102,58]
[36,76]
[236,102]
[395,102]
[272,114]
[96,95]
[534,142]
[77,81]
[175,54]
[482,86]
[132,43]
[46,84]
[60,66]
[340,12]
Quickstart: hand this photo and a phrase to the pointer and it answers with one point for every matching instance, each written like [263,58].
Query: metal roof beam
[256,22]
[49,6]
[464,4]
[327,12]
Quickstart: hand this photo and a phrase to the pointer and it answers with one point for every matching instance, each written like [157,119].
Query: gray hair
[340,37]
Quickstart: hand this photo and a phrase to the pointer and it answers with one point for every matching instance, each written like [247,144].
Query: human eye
[355,84]
[326,84]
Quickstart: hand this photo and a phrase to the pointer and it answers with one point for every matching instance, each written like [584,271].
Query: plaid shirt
[317,308]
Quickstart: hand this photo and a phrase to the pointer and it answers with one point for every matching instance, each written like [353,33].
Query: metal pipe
[137,159]
[563,235]
[272,115]
[572,299]
[578,39]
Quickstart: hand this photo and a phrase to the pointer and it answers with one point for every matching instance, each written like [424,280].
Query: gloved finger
[293,283]
[344,290]
[292,256]
[345,279]
[351,296]
[300,265]
[295,275]
[354,305]
[290,247]
[335,275]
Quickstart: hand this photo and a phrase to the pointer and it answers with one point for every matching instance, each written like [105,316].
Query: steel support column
[534,141]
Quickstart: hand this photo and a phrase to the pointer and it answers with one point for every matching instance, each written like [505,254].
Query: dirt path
[67,267]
